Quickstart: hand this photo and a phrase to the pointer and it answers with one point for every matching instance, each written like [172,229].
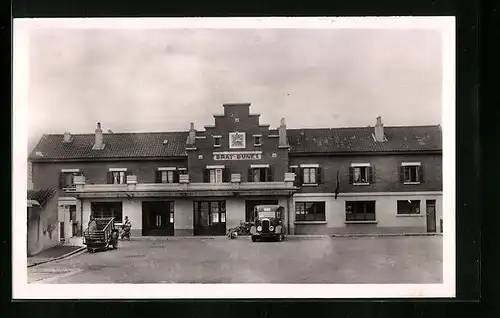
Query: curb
[387,235]
[83,248]
[223,237]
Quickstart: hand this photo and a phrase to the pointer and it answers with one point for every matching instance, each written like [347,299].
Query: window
[260,174]
[257,140]
[411,173]
[117,177]
[167,175]
[360,211]
[216,175]
[310,174]
[107,210]
[409,207]
[361,174]
[310,211]
[217,141]
[67,178]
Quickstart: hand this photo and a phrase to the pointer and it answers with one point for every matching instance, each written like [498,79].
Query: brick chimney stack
[67,137]
[379,130]
[98,143]
[283,142]
[192,135]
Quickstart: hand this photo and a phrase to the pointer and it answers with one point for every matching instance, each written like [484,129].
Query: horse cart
[101,234]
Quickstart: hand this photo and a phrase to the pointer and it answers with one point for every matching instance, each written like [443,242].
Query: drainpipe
[81,218]
[288,217]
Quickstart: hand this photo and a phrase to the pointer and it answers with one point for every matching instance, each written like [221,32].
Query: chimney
[67,137]
[282,134]
[98,143]
[192,135]
[379,130]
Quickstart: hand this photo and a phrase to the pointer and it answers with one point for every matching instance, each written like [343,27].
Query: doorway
[157,218]
[250,204]
[431,215]
[209,217]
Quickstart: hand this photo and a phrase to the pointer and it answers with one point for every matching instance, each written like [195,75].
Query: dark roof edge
[363,127]
[107,159]
[367,153]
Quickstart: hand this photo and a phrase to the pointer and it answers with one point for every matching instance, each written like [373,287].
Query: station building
[204,181]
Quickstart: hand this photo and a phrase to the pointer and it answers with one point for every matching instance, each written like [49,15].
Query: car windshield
[267,214]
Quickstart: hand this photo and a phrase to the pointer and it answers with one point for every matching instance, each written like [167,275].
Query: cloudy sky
[160,80]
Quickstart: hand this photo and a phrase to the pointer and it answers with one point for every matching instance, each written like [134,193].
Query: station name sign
[238,155]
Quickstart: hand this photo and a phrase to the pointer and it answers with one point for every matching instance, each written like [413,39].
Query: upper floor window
[67,178]
[260,173]
[361,174]
[117,176]
[310,174]
[257,139]
[411,173]
[310,211]
[217,141]
[216,174]
[167,175]
[409,207]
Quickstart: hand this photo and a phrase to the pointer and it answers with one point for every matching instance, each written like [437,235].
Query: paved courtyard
[313,260]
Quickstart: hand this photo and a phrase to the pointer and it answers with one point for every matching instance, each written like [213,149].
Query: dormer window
[217,141]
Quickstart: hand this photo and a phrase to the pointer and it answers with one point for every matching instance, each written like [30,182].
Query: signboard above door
[238,155]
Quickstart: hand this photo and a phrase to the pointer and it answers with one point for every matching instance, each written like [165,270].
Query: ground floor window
[409,207]
[108,209]
[310,211]
[360,210]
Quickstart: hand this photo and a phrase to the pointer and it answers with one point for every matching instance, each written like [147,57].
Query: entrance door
[209,217]
[157,218]
[250,204]
[431,215]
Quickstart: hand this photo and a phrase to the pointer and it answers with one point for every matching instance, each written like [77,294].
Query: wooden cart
[101,234]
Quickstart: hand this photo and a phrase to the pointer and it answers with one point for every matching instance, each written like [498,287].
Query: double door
[209,217]
[158,218]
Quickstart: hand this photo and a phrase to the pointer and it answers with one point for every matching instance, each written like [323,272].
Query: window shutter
[421,173]
[371,175]
[176,176]
[269,174]
[402,174]
[157,176]
[296,180]
[206,175]
[301,175]
[110,177]
[319,174]
[351,175]
[61,180]
[250,175]
[226,175]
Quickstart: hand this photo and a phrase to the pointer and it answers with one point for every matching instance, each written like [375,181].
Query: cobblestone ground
[318,260]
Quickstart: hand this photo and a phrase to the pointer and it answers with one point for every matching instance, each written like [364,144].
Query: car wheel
[280,238]
[254,239]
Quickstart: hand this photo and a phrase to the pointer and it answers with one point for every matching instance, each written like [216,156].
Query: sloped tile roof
[360,139]
[42,196]
[322,140]
[117,145]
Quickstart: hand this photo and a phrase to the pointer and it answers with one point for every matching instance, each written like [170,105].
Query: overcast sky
[161,80]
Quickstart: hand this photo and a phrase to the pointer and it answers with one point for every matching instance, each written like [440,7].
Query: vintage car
[268,223]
